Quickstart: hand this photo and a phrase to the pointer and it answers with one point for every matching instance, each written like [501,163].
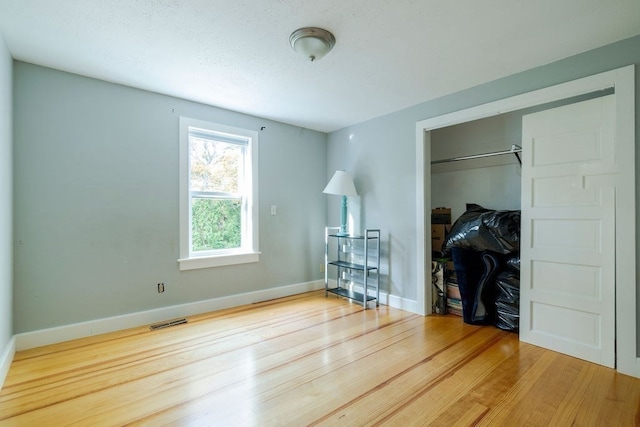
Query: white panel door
[567,300]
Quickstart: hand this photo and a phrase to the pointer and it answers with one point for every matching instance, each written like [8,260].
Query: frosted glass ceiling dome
[312,42]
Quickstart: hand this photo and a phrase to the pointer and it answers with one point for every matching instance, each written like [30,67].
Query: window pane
[215,224]
[215,165]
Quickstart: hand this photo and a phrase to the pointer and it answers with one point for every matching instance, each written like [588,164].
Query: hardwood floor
[311,360]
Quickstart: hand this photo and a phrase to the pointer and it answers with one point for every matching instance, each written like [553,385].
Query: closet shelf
[515,149]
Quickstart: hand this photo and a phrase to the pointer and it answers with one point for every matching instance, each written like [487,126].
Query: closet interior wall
[493,182]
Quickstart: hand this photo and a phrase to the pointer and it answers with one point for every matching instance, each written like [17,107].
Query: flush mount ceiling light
[312,42]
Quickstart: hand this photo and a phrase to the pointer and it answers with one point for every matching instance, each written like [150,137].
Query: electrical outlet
[160,288]
[321,268]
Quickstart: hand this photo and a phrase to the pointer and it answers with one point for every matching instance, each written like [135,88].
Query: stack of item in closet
[438,286]
[484,245]
[442,271]
[454,299]
[445,293]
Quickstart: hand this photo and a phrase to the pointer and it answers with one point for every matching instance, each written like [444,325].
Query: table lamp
[341,184]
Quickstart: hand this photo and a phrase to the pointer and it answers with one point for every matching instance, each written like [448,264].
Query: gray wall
[6,201]
[381,152]
[96,201]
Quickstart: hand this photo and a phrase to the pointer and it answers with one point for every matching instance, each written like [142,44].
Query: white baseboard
[6,358]
[633,370]
[27,340]
[401,303]
[388,299]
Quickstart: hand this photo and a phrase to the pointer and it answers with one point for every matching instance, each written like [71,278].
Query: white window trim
[249,254]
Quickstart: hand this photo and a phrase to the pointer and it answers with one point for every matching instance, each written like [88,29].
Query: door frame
[622,81]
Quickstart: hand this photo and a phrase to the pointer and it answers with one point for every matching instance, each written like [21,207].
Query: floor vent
[167,324]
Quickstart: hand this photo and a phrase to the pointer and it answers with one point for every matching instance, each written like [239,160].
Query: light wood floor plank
[427,372]
[312,360]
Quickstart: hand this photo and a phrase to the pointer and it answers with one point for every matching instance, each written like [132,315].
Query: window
[218,195]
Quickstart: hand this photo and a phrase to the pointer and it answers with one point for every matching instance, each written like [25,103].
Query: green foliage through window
[216,224]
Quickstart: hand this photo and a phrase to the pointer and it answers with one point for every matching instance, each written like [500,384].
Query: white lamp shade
[341,184]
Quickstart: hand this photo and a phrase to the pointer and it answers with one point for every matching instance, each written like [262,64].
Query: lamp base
[343,218]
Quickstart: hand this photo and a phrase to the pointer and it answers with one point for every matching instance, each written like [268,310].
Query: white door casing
[567,281]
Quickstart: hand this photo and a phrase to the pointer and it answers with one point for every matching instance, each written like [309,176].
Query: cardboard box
[441,216]
[438,234]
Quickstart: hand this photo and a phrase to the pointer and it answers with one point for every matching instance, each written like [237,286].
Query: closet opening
[494,181]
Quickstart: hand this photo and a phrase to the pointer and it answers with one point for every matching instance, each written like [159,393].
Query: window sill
[218,260]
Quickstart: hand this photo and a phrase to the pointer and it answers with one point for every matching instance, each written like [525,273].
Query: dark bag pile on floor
[484,245]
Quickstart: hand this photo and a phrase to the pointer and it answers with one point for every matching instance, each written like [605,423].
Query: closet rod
[515,149]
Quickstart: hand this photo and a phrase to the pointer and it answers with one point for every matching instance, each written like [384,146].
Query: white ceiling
[235,54]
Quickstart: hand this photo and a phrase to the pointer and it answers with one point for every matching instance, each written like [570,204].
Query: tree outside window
[218,188]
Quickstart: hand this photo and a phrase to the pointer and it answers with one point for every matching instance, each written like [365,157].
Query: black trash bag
[468,268]
[513,263]
[483,229]
[507,302]
[476,272]
[507,317]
